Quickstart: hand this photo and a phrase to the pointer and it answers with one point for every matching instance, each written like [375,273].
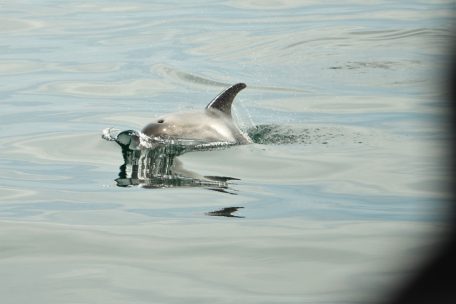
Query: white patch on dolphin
[213,124]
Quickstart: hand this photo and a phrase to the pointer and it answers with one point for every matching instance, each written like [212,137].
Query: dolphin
[214,124]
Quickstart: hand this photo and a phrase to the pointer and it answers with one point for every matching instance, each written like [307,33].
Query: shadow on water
[226,212]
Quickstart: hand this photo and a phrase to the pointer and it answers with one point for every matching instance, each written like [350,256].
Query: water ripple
[402,34]
[107,89]
[9,67]
[8,25]
[187,77]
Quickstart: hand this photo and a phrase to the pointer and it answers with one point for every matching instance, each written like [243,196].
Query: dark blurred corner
[436,279]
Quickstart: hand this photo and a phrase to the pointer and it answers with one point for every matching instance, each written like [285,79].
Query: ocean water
[339,199]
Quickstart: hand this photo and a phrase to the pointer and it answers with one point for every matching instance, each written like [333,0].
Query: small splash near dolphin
[274,134]
[136,140]
[267,134]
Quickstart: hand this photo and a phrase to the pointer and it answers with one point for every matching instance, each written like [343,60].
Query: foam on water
[136,140]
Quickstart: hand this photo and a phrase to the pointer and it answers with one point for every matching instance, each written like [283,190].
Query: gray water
[338,201]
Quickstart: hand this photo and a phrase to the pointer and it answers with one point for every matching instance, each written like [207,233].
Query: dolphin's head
[177,125]
[212,124]
[160,127]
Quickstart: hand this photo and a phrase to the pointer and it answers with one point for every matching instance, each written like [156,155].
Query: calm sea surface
[336,203]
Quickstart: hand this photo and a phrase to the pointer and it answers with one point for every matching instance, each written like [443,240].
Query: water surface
[344,185]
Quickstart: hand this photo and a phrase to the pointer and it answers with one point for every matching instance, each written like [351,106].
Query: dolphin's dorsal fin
[224,100]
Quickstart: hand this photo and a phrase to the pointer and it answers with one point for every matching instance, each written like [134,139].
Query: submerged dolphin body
[214,124]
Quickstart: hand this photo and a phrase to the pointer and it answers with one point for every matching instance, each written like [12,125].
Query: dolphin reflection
[158,167]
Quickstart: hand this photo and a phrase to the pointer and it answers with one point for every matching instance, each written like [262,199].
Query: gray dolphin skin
[213,124]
